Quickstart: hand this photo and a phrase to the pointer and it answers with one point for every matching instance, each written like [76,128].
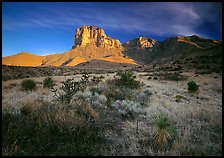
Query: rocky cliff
[140,43]
[141,49]
[95,36]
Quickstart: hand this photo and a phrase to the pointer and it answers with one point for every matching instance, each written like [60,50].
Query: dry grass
[198,117]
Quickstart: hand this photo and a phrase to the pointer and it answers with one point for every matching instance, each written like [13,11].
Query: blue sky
[43,28]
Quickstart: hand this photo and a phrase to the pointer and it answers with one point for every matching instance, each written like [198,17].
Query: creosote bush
[48,82]
[192,86]
[28,85]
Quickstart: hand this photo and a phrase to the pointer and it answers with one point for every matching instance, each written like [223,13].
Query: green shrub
[127,79]
[28,85]
[48,82]
[192,86]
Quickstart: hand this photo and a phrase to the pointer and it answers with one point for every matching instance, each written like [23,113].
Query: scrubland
[114,114]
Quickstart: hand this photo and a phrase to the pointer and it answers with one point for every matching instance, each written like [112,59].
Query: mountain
[90,43]
[140,48]
[171,49]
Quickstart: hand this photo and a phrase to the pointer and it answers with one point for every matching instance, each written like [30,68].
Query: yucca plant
[164,137]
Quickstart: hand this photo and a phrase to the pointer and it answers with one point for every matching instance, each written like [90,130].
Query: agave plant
[164,137]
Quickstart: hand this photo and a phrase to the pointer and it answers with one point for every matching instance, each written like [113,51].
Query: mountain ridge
[92,43]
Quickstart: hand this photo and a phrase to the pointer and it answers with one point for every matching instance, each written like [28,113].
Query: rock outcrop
[140,43]
[95,36]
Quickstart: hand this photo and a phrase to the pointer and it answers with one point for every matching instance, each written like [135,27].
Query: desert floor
[195,115]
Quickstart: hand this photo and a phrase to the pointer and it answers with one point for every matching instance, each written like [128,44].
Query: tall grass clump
[51,130]
[127,79]
[48,82]
[166,134]
[28,85]
[193,87]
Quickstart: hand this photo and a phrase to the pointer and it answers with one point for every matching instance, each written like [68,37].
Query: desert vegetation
[28,85]
[122,113]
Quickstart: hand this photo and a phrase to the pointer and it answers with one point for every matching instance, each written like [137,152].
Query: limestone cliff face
[140,43]
[95,36]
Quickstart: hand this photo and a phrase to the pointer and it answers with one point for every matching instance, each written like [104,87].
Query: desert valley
[141,98]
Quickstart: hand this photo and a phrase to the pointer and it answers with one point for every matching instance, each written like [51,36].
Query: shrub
[179,98]
[69,88]
[127,79]
[116,94]
[28,85]
[144,97]
[192,86]
[163,139]
[96,79]
[85,78]
[175,77]
[48,82]
[128,108]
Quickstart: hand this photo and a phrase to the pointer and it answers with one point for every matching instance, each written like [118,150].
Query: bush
[69,88]
[175,77]
[96,79]
[192,86]
[48,82]
[127,79]
[28,85]
[179,98]
[128,108]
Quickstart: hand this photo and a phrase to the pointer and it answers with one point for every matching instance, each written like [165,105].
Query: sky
[44,28]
